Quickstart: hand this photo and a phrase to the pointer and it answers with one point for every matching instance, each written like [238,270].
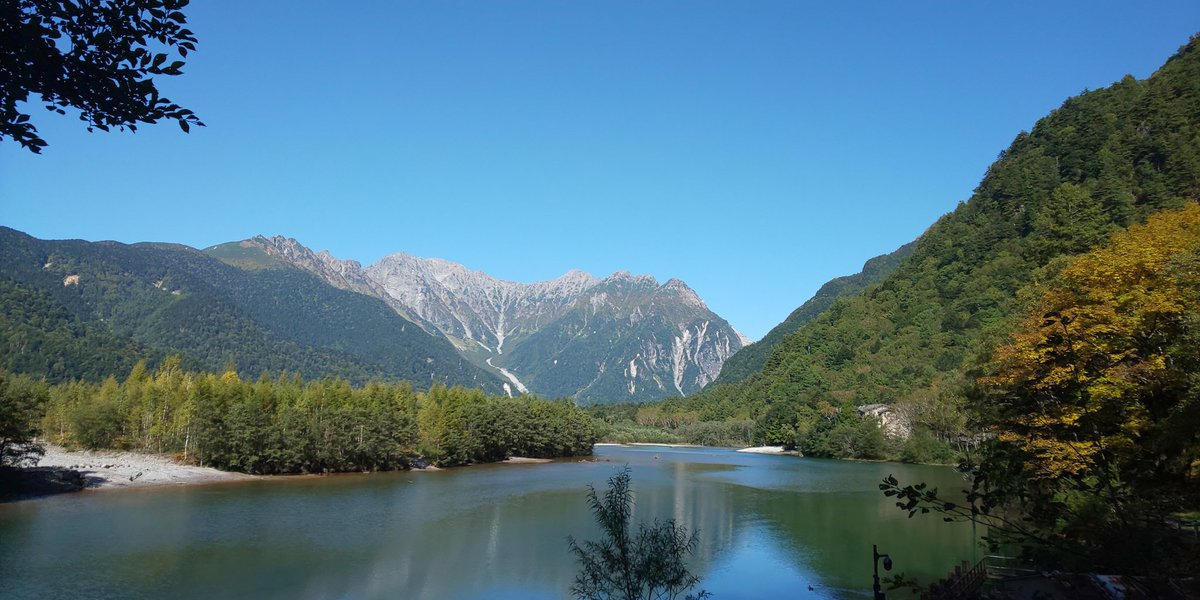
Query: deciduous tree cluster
[1094,405]
[284,424]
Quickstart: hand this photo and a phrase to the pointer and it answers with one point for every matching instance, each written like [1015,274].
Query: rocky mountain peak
[343,274]
[282,246]
[683,293]
[627,276]
[345,265]
[618,338]
[624,280]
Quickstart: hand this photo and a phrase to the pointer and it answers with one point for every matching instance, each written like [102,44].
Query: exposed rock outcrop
[621,338]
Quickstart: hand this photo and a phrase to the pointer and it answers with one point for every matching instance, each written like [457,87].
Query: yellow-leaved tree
[1095,407]
[1099,380]
[1095,403]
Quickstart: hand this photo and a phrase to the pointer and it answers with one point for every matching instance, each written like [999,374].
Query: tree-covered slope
[751,358]
[41,337]
[1104,160]
[150,300]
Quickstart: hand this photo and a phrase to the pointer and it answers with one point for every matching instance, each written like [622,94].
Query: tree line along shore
[283,424]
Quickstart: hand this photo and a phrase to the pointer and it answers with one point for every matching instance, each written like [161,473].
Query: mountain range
[619,338]
[914,326]
[74,309]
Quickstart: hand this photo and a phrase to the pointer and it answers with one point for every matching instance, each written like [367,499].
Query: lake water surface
[770,527]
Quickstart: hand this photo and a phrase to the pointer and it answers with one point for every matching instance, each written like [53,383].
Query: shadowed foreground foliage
[21,399]
[648,565]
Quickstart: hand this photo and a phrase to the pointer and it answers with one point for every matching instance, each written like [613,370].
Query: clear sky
[753,149]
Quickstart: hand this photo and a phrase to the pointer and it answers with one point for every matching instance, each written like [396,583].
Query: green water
[770,527]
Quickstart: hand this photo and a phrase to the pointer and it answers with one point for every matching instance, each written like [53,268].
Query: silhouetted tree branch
[97,56]
[646,566]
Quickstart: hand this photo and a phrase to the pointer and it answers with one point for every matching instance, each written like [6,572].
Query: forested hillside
[752,358]
[1091,414]
[41,336]
[89,310]
[1104,160]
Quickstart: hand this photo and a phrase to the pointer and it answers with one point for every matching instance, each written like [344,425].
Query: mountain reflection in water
[769,526]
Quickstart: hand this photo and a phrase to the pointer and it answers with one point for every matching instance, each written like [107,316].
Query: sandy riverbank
[523,460]
[751,450]
[104,469]
[768,450]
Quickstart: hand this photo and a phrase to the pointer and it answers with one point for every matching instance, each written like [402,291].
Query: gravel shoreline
[769,450]
[108,469]
[104,469]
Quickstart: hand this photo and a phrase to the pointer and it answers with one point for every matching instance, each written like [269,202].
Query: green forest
[1091,406]
[77,310]
[920,338]
[752,358]
[285,424]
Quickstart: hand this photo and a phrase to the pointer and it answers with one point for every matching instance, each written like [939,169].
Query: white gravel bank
[766,450]
[108,469]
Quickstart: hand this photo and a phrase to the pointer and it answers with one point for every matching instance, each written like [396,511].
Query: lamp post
[887,566]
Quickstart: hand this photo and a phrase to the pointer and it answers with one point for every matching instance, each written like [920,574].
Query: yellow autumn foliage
[1089,372]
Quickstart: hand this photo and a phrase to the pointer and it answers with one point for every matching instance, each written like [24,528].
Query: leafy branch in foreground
[646,566]
[982,505]
[98,57]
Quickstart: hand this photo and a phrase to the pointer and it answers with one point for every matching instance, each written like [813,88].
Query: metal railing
[966,581]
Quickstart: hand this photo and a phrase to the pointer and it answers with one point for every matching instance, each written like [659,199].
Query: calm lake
[770,527]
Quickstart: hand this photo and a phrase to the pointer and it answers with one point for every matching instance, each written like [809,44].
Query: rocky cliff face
[472,306]
[621,338]
[628,338]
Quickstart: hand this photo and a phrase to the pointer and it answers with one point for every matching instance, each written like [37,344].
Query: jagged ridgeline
[599,340]
[83,310]
[1104,160]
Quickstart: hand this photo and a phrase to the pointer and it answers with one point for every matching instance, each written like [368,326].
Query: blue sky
[753,149]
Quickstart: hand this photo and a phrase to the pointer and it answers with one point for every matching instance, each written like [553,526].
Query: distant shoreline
[62,471]
[100,470]
[769,450]
[665,445]
[751,450]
